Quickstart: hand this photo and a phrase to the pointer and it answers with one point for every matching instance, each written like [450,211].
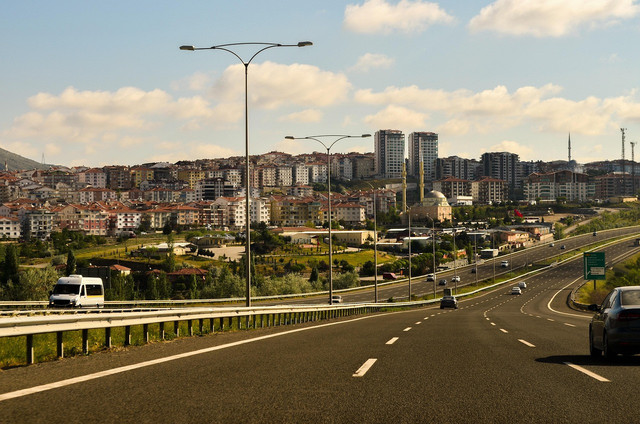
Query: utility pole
[633,167]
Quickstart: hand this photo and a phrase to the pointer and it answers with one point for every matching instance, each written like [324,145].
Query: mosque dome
[435,198]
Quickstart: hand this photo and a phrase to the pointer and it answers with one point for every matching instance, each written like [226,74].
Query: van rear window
[66,289]
[94,290]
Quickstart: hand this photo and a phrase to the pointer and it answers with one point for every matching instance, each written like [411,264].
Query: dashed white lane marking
[407,329]
[365,367]
[493,323]
[587,372]
[503,330]
[419,322]
[570,325]
[526,343]
[551,319]
[392,340]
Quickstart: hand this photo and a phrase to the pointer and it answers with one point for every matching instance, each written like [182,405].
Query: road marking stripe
[365,367]
[392,340]
[493,323]
[419,322]
[549,319]
[407,329]
[570,325]
[587,372]
[503,330]
[106,373]
[526,343]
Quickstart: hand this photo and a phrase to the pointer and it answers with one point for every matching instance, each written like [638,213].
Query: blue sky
[99,83]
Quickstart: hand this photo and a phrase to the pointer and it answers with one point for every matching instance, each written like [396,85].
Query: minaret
[404,187]
[421,182]
[569,147]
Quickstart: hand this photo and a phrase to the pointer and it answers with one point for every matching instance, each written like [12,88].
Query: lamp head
[187,48]
[365,135]
[305,43]
[289,137]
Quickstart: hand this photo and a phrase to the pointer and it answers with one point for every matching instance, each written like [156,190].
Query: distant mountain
[15,162]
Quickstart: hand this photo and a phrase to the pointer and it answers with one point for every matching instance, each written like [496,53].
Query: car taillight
[629,315]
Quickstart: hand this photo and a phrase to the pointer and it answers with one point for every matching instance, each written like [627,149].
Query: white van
[76,291]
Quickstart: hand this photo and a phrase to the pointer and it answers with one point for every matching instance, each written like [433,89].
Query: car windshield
[66,289]
[630,297]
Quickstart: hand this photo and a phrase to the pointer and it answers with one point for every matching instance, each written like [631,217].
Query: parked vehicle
[389,276]
[76,291]
[615,327]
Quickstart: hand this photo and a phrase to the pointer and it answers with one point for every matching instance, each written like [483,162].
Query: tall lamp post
[261,47]
[409,218]
[375,243]
[328,148]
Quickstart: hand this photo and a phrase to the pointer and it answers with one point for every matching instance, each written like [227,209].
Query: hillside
[15,161]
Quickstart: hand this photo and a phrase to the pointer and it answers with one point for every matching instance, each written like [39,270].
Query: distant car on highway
[504,264]
[389,276]
[551,244]
[336,299]
[474,269]
[448,302]
[431,277]
[516,290]
[615,327]
[563,247]
[455,279]
[442,282]
[595,233]
[522,285]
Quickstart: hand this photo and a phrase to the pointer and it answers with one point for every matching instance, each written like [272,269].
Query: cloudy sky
[99,83]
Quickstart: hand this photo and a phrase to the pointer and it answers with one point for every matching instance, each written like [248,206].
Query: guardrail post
[201,326]
[190,325]
[212,325]
[85,341]
[221,324]
[107,337]
[161,335]
[248,316]
[127,335]
[230,323]
[30,350]
[59,345]
[176,328]
[145,331]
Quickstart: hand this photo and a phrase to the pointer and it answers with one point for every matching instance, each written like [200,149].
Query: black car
[615,327]
[448,302]
[442,282]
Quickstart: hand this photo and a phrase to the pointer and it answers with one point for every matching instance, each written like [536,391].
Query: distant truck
[389,276]
[488,253]
[76,291]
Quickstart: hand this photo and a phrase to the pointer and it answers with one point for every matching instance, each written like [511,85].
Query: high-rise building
[502,166]
[389,153]
[423,147]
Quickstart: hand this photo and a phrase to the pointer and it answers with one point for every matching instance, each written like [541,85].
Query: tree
[314,275]
[11,264]
[71,263]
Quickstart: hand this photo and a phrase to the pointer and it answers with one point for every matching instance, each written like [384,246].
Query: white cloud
[370,61]
[308,115]
[394,116]
[550,18]
[294,146]
[272,85]
[199,81]
[380,16]
[525,153]
[495,109]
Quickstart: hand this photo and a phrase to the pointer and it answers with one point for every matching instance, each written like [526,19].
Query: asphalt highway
[499,358]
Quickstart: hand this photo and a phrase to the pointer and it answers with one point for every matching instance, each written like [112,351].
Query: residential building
[389,153]
[488,191]
[423,147]
[571,186]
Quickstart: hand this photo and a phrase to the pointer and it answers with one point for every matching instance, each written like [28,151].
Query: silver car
[615,327]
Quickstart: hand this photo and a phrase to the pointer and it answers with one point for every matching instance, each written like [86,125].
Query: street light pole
[409,215]
[328,148]
[375,243]
[227,48]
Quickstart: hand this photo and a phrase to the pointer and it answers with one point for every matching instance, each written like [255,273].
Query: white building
[423,146]
[389,153]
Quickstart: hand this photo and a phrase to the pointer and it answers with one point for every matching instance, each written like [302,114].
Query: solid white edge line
[365,367]
[587,372]
[526,343]
[392,340]
[88,377]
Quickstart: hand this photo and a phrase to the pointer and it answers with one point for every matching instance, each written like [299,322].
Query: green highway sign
[594,266]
